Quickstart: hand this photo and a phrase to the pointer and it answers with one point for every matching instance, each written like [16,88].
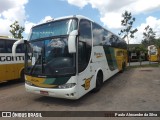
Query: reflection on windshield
[56,48]
[51,57]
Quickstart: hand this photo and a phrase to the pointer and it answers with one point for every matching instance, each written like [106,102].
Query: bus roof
[74,16]
[65,17]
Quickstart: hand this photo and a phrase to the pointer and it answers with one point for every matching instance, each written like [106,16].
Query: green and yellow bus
[11,68]
[71,56]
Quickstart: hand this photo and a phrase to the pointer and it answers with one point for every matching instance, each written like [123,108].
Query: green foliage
[149,36]
[127,22]
[141,48]
[16,30]
[157,43]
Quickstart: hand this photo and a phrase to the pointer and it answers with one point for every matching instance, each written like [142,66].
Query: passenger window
[20,48]
[98,37]
[2,46]
[85,31]
[9,45]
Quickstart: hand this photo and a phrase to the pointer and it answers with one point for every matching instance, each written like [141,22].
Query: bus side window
[98,35]
[9,45]
[84,45]
[2,46]
[81,56]
[20,48]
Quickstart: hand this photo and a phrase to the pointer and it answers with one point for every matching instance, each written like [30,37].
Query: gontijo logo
[11,58]
[7,58]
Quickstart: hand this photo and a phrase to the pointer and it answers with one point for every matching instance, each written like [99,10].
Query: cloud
[28,25]
[78,3]
[153,22]
[47,18]
[10,11]
[113,22]
[111,10]
[8,4]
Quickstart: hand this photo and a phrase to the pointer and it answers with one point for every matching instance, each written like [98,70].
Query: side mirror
[72,41]
[15,46]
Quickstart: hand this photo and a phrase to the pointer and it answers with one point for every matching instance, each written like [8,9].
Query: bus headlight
[68,85]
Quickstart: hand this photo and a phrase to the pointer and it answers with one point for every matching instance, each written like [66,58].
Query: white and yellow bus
[71,56]
[11,68]
[153,53]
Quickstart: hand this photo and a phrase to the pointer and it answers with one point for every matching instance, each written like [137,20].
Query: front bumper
[68,93]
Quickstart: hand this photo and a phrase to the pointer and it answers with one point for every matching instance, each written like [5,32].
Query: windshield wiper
[39,57]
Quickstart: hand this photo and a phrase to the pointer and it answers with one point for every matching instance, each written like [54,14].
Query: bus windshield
[55,28]
[49,43]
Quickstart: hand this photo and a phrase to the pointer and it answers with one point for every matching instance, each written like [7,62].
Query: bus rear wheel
[99,82]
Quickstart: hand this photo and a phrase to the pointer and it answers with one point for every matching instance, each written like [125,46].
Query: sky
[107,13]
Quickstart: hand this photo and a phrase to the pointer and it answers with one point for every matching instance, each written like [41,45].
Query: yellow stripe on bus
[39,82]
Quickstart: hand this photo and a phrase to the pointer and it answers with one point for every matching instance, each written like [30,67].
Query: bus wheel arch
[99,81]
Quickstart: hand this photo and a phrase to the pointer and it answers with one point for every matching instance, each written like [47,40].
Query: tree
[127,23]
[149,36]
[157,43]
[16,30]
[142,51]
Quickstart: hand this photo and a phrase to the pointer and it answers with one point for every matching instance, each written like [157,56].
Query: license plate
[44,92]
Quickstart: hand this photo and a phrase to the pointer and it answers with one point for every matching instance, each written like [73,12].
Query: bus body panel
[98,62]
[153,58]
[3,73]
[68,93]
[10,67]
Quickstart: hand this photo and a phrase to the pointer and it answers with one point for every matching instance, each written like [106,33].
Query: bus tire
[22,77]
[99,82]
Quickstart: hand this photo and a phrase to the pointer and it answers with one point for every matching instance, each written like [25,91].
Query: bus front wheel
[99,82]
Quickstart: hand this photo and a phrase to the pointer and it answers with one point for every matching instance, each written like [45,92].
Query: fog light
[68,85]
[28,83]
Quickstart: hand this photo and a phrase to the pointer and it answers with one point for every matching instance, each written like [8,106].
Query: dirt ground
[136,89]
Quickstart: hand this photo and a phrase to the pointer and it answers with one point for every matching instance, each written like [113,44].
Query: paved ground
[136,89]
